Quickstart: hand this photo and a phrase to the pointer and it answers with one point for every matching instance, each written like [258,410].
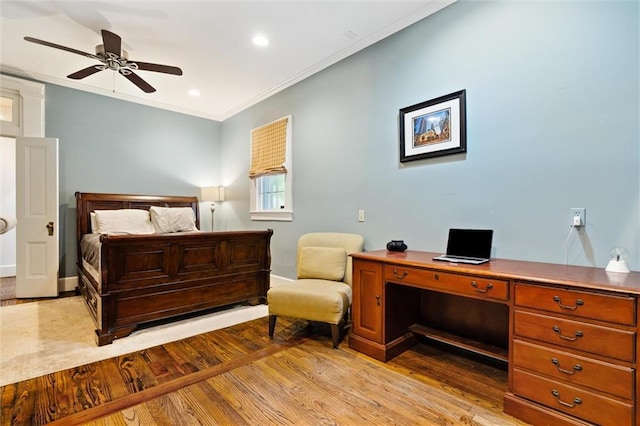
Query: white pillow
[124,221]
[173,219]
[94,223]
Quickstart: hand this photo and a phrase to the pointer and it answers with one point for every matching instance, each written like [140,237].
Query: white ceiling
[209,40]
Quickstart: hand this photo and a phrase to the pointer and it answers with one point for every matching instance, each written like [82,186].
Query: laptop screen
[470,242]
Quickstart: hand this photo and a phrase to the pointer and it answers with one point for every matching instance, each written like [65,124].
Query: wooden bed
[145,278]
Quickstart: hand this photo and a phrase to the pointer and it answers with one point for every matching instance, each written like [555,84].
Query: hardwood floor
[238,376]
[8,293]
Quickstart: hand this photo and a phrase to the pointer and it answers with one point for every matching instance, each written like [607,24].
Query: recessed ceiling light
[193,92]
[260,40]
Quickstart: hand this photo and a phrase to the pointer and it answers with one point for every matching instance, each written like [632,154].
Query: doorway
[8,210]
[21,114]
[8,205]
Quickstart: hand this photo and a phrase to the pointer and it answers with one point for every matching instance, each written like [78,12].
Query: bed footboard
[147,278]
[155,277]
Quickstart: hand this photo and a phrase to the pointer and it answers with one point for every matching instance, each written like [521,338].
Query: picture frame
[433,128]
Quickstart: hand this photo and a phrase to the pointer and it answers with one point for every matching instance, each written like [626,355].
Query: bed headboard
[86,202]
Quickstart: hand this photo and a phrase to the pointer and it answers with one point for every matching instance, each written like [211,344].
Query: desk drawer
[576,335]
[589,406]
[575,369]
[450,283]
[603,307]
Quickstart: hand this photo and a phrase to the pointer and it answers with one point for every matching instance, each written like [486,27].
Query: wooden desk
[568,333]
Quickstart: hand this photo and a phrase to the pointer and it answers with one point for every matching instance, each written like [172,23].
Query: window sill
[275,215]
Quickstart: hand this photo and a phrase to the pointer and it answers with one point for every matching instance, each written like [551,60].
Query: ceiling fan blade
[112,43]
[86,72]
[167,69]
[58,46]
[135,79]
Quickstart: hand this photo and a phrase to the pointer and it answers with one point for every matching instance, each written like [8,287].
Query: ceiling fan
[113,57]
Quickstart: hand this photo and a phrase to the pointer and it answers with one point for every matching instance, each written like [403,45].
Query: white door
[37,213]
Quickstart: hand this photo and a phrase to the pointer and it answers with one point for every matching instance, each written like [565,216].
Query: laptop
[471,246]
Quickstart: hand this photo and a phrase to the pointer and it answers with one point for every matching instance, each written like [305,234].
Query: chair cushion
[314,300]
[325,263]
[352,243]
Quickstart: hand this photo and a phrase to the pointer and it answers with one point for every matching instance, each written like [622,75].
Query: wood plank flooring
[8,293]
[238,376]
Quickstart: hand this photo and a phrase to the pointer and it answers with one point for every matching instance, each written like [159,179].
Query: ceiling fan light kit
[113,57]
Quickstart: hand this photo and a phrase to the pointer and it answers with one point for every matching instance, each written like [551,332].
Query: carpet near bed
[42,337]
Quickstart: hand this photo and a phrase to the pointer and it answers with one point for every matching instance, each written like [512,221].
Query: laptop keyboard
[461,259]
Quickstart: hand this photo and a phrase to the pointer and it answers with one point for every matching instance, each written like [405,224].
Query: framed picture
[433,128]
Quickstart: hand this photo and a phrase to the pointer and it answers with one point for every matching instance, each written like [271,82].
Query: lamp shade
[212,193]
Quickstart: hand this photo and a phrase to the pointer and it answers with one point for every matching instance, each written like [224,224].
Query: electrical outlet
[360,215]
[578,217]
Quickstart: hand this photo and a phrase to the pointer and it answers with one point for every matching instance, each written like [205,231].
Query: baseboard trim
[277,280]
[7,271]
[67,284]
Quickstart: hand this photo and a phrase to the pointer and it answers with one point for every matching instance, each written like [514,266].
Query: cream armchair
[322,291]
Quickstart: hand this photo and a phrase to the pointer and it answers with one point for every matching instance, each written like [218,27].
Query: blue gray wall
[553,101]
[108,145]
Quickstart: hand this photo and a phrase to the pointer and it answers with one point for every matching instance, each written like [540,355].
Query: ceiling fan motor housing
[114,62]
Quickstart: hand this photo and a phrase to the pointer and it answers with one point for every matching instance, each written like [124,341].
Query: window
[271,190]
[271,171]
[9,112]
[21,107]
[6,109]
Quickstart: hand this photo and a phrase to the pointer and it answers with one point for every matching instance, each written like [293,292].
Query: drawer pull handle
[576,401]
[398,276]
[576,367]
[481,290]
[378,300]
[571,339]
[579,302]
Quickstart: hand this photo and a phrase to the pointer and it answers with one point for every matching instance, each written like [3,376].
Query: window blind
[268,148]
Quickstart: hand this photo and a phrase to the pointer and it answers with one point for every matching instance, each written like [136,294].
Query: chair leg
[272,324]
[335,335]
